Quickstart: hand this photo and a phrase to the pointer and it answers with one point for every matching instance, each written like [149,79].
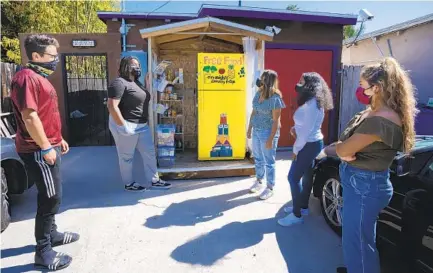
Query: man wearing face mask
[128,104]
[40,144]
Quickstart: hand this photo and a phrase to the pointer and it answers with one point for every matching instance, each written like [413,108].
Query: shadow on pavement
[91,179]
[21,269]
[309,247]
[194,211]
[10,252]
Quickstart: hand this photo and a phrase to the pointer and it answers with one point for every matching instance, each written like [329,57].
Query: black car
[411,204]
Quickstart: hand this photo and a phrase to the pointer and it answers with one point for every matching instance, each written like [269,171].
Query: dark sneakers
[64,238]
[161,184]
[52,260]
[135,187]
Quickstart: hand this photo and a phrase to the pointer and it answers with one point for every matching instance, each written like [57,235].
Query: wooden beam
[184,44]
[259,45]
[152,117]
[174,37]
[171,30]
[220,43]
[226,28]
[228,38]
[154,45]
[207,29]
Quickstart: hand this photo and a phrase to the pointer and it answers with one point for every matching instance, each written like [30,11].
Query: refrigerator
[221,106]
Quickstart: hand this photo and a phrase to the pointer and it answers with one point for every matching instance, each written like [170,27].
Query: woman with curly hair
[314,98]
[367,148]
[264,128]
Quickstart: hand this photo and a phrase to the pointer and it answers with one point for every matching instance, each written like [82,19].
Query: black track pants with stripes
[48,182]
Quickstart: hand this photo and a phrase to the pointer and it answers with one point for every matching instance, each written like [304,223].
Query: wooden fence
[349,105]
[7,120]
[8,70]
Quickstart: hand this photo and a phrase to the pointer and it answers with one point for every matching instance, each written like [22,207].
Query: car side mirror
[401,166]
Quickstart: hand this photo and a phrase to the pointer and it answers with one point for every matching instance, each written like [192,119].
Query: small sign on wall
[83,43]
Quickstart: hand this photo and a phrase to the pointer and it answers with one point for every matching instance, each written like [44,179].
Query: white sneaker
[290,220]
[266,194]
[256,187]
[289,209]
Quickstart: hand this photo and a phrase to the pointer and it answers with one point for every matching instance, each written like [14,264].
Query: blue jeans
[265,158]
[365,194]
[302,167]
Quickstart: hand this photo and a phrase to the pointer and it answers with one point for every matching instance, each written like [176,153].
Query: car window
[418,162]
[429,172]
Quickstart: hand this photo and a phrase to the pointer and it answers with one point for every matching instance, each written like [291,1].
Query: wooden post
[153,96]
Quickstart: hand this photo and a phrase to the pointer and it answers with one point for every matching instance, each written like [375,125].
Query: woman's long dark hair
[125,66]
[316,87]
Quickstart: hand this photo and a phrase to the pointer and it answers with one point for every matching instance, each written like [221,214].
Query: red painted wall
[290,64]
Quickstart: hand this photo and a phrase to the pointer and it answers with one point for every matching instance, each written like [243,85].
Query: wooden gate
[349,105]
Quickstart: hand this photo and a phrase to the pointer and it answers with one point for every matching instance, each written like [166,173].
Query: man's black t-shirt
[134,99]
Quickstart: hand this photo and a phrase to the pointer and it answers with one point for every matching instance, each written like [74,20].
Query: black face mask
[259,83]
[50,66]
[136,72]
[299,88]
[303,94]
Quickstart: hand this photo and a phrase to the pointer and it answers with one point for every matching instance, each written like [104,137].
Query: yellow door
[221,106]
[221,125]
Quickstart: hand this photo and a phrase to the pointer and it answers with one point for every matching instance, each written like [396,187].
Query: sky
[386,13]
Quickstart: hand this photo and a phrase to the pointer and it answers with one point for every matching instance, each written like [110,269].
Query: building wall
[411,47]
[108,44]
[291,32]
[294,33]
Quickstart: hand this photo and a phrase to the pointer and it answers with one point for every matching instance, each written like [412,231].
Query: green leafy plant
[34,16]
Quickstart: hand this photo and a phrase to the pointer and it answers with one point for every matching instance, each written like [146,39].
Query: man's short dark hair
[38,43]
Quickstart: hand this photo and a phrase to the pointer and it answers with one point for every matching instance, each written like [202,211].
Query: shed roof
[210,26]
[240,12]
[394,28]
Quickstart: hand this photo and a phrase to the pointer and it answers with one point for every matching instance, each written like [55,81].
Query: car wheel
[5,213]
[331,201]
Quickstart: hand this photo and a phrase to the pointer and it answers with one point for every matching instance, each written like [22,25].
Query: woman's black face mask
[136,71]
[299,88]
[259,83]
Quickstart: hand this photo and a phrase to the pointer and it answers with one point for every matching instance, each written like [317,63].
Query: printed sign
[83,43]
[221,71]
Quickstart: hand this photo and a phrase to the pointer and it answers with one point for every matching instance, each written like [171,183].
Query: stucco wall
[412,48]
[291,32]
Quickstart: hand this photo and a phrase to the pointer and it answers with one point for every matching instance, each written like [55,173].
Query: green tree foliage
[351,31]
[37,16]
[292,7]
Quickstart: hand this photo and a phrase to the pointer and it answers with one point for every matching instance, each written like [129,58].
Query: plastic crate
[165,134]
[166,151]
[166,161]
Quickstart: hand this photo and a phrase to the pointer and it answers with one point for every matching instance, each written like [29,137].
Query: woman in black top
[128,104]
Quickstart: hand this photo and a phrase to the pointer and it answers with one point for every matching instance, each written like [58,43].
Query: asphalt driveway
[210,225]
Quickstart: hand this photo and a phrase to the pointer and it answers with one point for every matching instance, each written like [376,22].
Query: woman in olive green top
[367,148]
